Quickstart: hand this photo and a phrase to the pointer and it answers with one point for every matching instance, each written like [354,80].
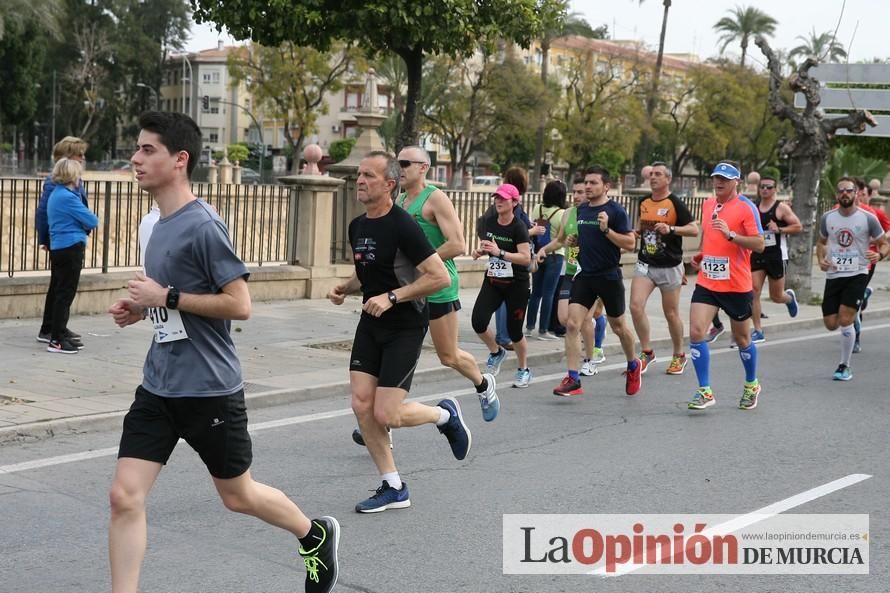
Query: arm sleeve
[618,220]
[520,232]
[41,221]
[751,224]
[823,226]
[83,215]
[875,230]
[214,251]
[684,216]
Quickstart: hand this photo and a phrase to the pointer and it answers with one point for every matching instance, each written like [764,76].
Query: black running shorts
[774,267]
[736,304]
[847,291]
[390,354]
[586,289]
[438,310]
[215,427]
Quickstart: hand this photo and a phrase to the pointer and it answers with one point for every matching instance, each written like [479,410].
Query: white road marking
[757,516]
[107,452]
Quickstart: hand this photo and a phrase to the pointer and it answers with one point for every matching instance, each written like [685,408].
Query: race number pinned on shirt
[499,268]
[715,268]
[167,324]
[845,262]
[769,238]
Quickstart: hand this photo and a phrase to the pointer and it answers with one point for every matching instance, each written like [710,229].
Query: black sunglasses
[846,190]
[406,164]
[766,186]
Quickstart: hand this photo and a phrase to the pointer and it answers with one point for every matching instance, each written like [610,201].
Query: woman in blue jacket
[69,221]
[69,147]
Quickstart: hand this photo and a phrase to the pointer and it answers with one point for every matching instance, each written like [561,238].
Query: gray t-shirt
[848,239]
[191,250]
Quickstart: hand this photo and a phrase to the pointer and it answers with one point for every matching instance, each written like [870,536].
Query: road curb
[264,399]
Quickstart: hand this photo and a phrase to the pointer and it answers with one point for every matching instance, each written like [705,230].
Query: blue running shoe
[792,304]
[843,373]
[493,366]
[455,430]
[523,377]
[757,336]
[488,399]
[385,497]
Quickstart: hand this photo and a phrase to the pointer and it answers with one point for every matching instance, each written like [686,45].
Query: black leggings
[514,294]
[67,264]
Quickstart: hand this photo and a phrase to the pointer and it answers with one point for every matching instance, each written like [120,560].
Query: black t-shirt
[657,250]
[597,255]
[507,238]
[386,252]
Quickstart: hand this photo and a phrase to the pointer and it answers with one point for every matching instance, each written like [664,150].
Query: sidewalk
[290,351]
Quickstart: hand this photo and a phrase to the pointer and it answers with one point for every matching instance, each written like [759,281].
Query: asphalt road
[601,453]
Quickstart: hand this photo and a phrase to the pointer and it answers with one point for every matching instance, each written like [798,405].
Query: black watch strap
[392,297]
[172,297]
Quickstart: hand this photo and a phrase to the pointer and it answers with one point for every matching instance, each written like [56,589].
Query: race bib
[642,267]
[769,238]
[167,324]
[844,262]
[715,268]
[499,268]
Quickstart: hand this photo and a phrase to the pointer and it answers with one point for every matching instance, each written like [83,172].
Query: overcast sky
[862,30]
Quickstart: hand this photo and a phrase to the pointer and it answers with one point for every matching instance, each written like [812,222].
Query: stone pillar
[212,173]
[312,211]
[236,173]
[225,171]
[468,181]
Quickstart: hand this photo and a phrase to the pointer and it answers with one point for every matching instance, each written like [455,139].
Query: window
[353,101]
[214,77]
[205,77]
[214,137]
[602,67]
[214,108]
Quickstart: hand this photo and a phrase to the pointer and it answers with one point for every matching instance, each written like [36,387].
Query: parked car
[486,180]
[250,177]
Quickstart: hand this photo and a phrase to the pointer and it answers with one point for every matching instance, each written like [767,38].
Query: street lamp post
[258,127]
[154,93]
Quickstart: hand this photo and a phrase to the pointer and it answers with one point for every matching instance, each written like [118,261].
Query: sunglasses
[717,209]
[846,190]
[767,186]
[406,164]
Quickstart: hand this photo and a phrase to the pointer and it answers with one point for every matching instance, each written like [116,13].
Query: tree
[652,97]
[391,70]
[847,161]
[809,149]
[745,23]
[556,22]
[16,15]
[405,27]
[21,60]
[291,82]
[821,47]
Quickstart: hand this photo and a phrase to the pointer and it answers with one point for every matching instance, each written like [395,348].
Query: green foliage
[21,60]
[824,47]
[17,15]
[291,82]
[744,24]
[847,161]
[340,149]
[238,152]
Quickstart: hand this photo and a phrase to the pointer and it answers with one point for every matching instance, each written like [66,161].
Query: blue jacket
[69,220]
[40,220]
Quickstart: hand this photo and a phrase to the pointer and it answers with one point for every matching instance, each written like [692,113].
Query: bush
[340,149]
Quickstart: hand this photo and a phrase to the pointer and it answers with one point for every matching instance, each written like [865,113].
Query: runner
[664,221]
[777,220]
[730,232]
[863,199]
[193,286]
[844,255]
[395,268]
[603,231]
[506,244]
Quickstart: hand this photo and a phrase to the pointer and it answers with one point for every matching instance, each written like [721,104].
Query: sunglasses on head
[717,209]
[767,186]
[405,164]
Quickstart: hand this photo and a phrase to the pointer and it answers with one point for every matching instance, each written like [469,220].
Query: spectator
[69,221]
[547,215]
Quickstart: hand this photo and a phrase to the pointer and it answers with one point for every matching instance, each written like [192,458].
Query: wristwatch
[606,232]
[392,297]
[671,230]
[172,297]
[732,236]
[501,254]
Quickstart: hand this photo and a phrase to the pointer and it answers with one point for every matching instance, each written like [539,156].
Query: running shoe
[358,439]
[547,336]
[857,347]
[678,365]
[488,399]
[523,378]
[865,298]
[455,430]
[493,366]
[63,346]
[843,373]
[646,359]
[599,356]
[322,564]
[385,497]
[634,379]
[715,332]
[750,392]
[792,304]
[589,368]
[757,336]
[703,398]
[45,337]
[568,387]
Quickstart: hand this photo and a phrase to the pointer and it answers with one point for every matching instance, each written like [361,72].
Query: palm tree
[558,23]
[821,47]
[743,25]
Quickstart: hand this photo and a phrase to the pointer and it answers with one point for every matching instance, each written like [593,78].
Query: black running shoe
[322,565]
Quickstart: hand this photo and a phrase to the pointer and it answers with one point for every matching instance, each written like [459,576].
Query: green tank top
[571,228]
[436,238]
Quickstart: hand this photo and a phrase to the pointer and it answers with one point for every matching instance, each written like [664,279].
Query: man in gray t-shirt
[842,251]
[193,286]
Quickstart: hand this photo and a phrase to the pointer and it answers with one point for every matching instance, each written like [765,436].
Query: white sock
[393,480]
[444,417]
[848,337]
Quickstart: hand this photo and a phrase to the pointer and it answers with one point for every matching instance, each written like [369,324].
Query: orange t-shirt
[726,266]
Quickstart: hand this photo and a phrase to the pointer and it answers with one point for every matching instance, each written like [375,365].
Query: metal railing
[258,218]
